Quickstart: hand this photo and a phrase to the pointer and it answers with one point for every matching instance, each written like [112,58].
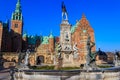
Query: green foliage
[69,68]
[43,67]
[52,68]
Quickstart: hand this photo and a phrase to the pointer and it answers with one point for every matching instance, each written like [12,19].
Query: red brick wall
[51,44]
[80,37]
[19,29]
[16,35]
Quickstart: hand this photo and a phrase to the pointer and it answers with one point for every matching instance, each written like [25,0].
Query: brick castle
[14,40]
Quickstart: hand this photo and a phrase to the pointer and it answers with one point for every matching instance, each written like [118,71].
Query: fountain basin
[103,74]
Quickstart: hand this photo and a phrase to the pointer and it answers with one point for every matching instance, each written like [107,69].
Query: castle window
[16,17]
[16,25]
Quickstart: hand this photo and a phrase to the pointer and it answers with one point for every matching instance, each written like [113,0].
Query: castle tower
[51,43]
[65,35]
[16,28]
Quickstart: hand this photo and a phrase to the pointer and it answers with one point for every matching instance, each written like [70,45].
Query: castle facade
[43,48]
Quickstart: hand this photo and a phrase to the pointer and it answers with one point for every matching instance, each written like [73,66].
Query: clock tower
[16,28]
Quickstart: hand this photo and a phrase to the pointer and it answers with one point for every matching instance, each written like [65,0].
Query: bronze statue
[90,44]
[21,56]
[90,58]
[63,7]
[64,12]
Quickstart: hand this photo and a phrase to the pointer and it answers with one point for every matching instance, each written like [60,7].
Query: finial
[18,1]
[18,6]
[83,15]
[50,32]
[51,35]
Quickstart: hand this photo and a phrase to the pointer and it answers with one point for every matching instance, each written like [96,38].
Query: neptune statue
[90,58]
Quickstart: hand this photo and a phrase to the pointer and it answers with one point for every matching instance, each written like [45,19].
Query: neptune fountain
[89,72]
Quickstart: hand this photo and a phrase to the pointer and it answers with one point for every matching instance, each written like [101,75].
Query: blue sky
[44,16]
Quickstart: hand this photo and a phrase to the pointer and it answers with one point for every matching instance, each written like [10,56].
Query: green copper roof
[32,39]
[17,15]
[18,7]
[45,40]
[74,27]
[51,36]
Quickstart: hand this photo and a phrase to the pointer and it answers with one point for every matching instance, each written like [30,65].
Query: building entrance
[40,59]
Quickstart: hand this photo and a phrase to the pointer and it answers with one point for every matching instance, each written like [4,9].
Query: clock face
[84,31]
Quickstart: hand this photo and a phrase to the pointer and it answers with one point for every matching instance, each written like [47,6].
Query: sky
[44,16]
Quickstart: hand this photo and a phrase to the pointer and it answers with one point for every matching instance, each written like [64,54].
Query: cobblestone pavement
[4,74]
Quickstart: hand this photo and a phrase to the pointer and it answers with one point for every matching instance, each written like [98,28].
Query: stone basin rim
[102,70]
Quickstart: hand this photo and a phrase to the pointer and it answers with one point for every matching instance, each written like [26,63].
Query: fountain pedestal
[59,63]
